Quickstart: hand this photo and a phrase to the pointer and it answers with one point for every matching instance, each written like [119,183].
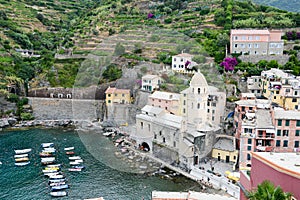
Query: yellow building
[224,149]
[281,88]
[114,95]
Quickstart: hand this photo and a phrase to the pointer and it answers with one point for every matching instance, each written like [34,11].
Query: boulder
[4,123]
[12,121]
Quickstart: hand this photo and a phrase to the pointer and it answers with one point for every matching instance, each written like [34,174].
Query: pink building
[256,42]
[282,169]
[287,124]
[165,100]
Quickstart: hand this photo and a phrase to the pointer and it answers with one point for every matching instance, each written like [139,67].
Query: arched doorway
[145,146]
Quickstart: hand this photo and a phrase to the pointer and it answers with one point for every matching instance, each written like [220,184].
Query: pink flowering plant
[229,64]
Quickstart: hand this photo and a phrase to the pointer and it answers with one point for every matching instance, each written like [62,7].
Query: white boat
[24,159]
[69,148]
[79,161]
[57,176]
[0,163]
[58,183]
[49,171]
[49,150]
[57,180]
[19,164]
[21,155]
[75,163]
[75,169]
[54,165]
[48,159]
[22,151]
[59,194]
[45,145]
[59,187]
[74,158]
[108,133]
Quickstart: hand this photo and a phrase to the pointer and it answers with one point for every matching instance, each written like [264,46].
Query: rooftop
[165,95]
[286,114]
[264,119]
[225,144]
[283,162]
[150,76]
[111,90]
[152,109]
[250,32]
[186,55]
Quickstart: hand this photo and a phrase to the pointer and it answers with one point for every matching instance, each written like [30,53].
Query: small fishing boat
[49,170]
[22,159]
[21,155]
[79,161]
[46,154]
[79,167]
[48,159]
[70,152]
[75,163]
[57,184]
[108,133]
[57,180]
[46,145]
[52,168]
[54,165]
[51,173]
[49,150]
[22,151]
[59,187]
[20,164]
[58,176]
[69,148]
[59,194]
[75,169]
[74,158]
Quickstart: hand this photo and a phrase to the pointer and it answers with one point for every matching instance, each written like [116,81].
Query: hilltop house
[256,42]
[181,63]
[151,82]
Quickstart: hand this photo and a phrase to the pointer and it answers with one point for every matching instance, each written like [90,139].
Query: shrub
[26,116]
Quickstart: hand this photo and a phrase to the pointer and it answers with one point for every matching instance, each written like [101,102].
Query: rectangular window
[278,132]
[250,38]
[296,93]
[123,95]
[184,110]
[142,125]
[243,108]
[116,95]
[294,100]
[279,122]
[235,45]
[174,144]
[207,110]
[296,144]
[297,133]
[109,101]
[287,122]
[257,37]
[248,156]
[249,148]
[149,127]
[285,133]
[213,118]
[277,143]
[285,143]
[249,141]
[236,37]
[298,123]
[249,45]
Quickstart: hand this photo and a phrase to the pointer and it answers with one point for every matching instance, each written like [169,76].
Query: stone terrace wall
[61,109]
[281,59]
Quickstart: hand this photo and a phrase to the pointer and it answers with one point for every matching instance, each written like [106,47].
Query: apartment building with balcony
[256,42]
[281,88]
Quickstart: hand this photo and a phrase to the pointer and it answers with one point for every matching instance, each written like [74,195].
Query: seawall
[63,109]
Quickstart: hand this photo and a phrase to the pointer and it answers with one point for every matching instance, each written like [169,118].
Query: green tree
[267,191]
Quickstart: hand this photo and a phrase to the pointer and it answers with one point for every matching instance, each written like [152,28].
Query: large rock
[12,121]
[4,123]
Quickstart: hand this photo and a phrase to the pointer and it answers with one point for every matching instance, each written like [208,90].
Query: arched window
[198,105]
[199,90]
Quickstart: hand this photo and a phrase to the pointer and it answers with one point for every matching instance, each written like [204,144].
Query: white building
[151,82]
[182,62]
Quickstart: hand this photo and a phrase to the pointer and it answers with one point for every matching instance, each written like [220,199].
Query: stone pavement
[217,166]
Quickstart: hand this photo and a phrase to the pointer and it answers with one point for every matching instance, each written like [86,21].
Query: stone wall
[281,59]
[121,113]
[165,153]
[61,109]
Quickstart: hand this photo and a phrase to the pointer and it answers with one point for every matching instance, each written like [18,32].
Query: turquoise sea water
[97,180]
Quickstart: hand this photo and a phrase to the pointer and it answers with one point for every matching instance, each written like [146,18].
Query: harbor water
[98,179]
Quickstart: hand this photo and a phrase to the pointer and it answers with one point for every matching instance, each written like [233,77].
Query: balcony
[264,148]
